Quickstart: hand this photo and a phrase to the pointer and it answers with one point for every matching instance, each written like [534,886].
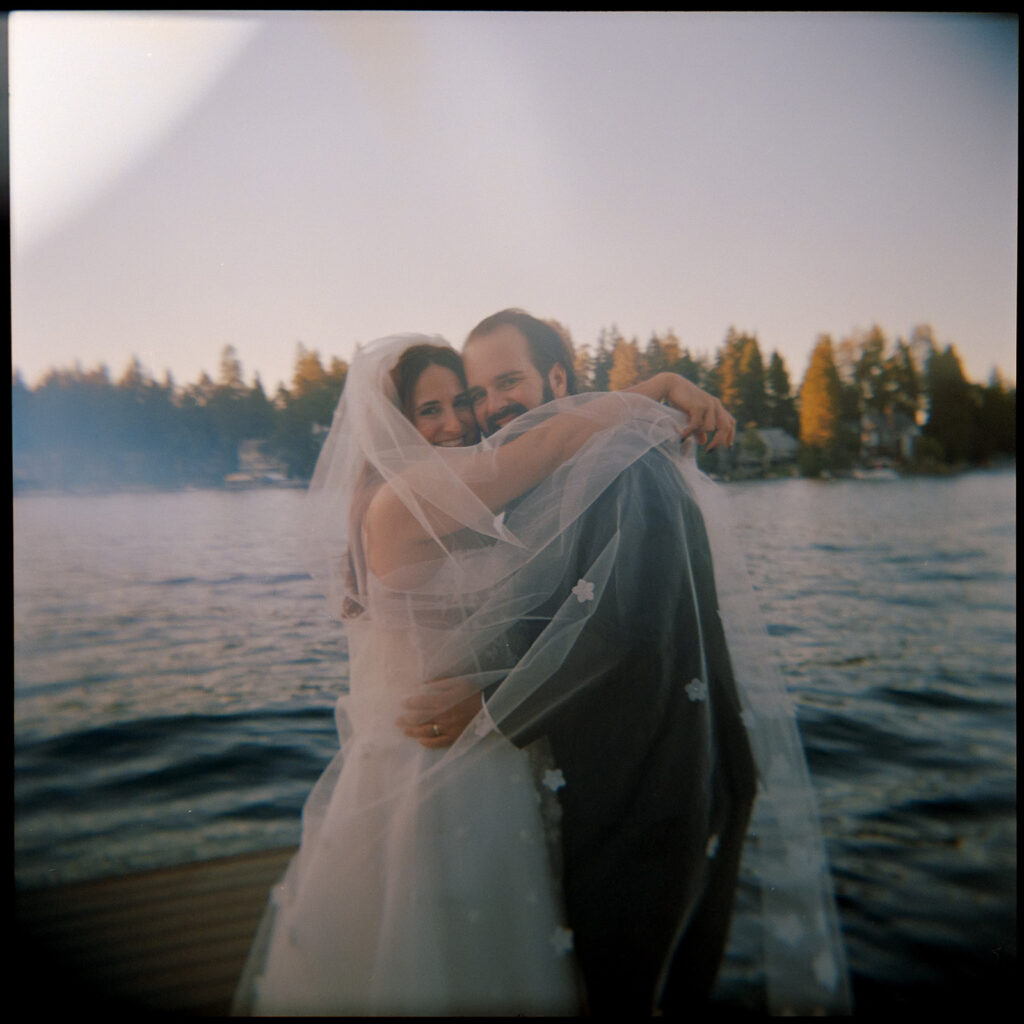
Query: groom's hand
[438,714]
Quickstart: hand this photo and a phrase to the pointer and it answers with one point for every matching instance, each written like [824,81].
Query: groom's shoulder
[654,469]
[650,482]
[654,484]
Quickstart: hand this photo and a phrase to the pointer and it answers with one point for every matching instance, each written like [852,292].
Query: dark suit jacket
[653,777]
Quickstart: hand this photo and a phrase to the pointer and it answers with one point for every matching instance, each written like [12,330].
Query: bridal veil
[484,573]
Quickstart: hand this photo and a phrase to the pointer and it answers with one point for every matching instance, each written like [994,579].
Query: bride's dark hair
[404,375]
[413,361]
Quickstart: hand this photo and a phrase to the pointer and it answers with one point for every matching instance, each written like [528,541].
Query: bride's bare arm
[705,412]
[394,536]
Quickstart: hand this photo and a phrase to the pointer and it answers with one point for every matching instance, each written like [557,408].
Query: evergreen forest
[864,401]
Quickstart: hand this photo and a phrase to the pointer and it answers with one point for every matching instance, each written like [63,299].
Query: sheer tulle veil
[454,608]
[804,962]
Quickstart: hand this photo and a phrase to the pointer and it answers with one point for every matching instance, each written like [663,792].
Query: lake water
[175,676]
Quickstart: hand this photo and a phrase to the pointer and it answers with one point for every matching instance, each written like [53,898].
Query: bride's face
[440,409]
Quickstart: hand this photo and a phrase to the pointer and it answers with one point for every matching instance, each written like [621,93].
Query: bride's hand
[706,413]
[439,713]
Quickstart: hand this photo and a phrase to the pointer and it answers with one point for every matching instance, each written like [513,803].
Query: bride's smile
[441,410]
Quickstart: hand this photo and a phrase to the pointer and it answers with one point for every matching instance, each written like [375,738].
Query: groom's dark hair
[548,345]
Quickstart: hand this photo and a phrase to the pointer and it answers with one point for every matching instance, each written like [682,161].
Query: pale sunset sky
[181,182]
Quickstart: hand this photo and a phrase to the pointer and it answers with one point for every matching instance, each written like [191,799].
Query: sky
[183,182]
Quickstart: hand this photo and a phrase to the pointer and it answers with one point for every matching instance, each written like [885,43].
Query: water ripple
[169,707]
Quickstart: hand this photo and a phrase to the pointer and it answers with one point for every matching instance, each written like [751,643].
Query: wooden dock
[167,941]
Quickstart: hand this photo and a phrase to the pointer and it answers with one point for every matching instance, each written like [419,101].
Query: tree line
[862,398]
[904,403]
[81,429]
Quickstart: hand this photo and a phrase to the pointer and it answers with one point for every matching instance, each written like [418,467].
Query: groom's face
[503,382]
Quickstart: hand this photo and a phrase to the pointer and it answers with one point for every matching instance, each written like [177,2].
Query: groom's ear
[558,381]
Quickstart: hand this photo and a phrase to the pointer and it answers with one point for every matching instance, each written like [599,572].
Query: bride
[427,880]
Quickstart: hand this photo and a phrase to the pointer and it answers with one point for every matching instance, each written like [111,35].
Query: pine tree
[230,370]
[696,369]
[257,411]
[134,377]
[583,363]
[740,373]
[662,353]
[751,381]
[904,382]
[871,373]
[997,420]
[727,373]
[309,374]
[625,371]
[922,346]
[604,357]
[951,419]
[820,408]
[780,406]
[303,414]
[653,358]
[671,350]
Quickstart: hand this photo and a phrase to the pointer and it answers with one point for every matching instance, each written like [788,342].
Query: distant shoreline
[865,474]
[24,489]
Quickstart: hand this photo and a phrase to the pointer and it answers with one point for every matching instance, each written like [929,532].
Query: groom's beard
[514,410]
[507,415]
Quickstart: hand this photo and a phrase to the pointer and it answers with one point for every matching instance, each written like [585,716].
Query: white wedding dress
[424,882]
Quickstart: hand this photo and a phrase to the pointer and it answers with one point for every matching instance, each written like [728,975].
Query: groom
[659,778]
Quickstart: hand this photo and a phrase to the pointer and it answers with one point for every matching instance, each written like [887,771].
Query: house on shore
[256,468]
[764,450]
[891,436]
